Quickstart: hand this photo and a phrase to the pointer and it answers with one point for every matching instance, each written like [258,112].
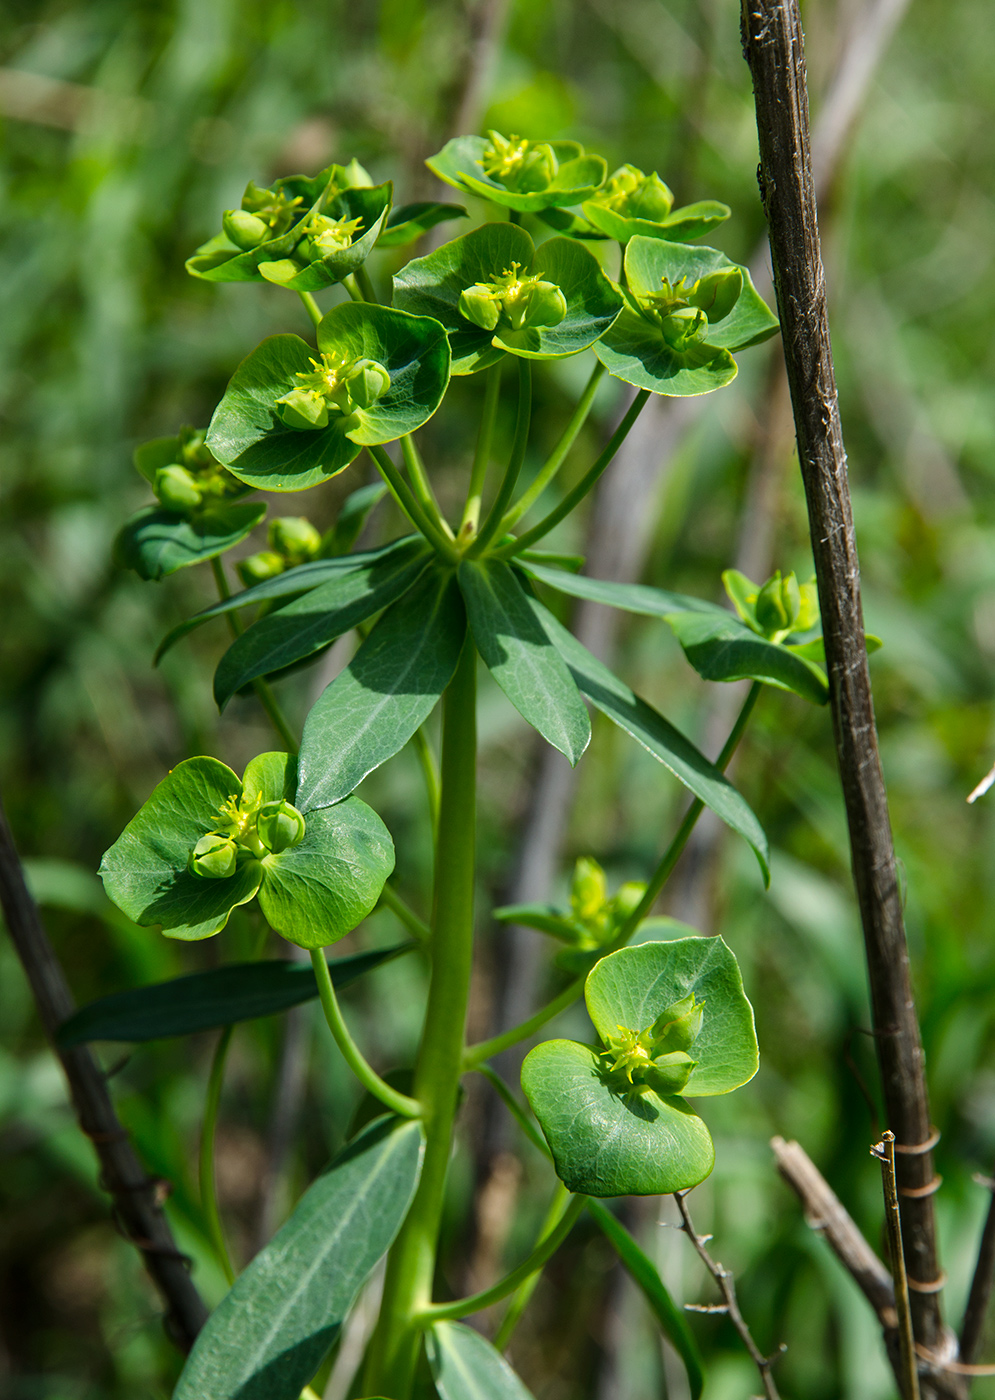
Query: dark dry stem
[976,1312]
[909,1370]
[586,484]
[727,1287]
[773,44]
[137,1198]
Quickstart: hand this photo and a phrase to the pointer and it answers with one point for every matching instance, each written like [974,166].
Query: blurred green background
[127,128]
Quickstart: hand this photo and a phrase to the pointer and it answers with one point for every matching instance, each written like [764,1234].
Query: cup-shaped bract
[633,204]
[496,293]
[301,232]
[687,310]
[378,374]
[523,175]
[205,842]
[674,1022]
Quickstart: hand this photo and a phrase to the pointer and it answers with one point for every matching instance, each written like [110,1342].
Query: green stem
[364,1072]
[672,854]
[365,285]
[586,483]
[395,1346]
[556,458]
[543,1251]
[487,1049]
[421,486]
[311,306]
[430,772]
[482,451]
[350,285]
[402,494]
[261,688]
[407,916]
[521,1299]
[522,423]
[516,1110]
[208,1190]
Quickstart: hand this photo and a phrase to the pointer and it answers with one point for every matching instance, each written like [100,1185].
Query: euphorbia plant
[672,1021]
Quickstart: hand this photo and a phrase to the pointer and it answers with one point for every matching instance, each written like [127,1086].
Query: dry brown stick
[772,41]
[730,1306]
[908,1378]
[973,1326]
[137,1198]
[826,1213]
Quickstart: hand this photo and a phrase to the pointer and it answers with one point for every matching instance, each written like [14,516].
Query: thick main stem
[411,1266]
[774,48]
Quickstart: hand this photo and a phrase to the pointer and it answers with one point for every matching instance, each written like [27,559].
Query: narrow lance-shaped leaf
[631,597]
[465,1366]
[270,1333]
[309,624]
[287,585]
[656,734]
[646,1276]
[725,649]
[387,691]
[521,657]
[205,1001]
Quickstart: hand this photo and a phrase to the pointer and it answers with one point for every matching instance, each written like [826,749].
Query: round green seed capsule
[257,568]
[294,537]
[279,826]
[245,230]
[213,857]
[176,488]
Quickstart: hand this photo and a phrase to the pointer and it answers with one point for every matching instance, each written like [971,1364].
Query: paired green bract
[317,873]
[250,433]
[526,175]
[632,203]
[686,310]
[438,286]
[615,1118]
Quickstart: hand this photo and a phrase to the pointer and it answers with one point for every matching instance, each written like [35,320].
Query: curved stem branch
[507,1097]
[486,1049]
[522,425]
[430,772]
[520,1301]
[364,1072]
[586,483]
[208,1185]
[546,1247]
[365,285]
[558,455]
[404,497]
[261,688]
[482,451]
[403,911]
[312,307]
[421,486]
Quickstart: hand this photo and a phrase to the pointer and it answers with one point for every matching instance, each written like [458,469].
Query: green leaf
[544,917]
[320,890]
[368,204]
[521,657]
[433,285]
[656,734]
[386,692]
[410,221]
[635,350]
[157,542]
[579,175]
[270,1333]
[680,224]
[608,1143]
[259,448]
[288,585]
[645,1275]
[309,624]
[633,986]
[632,597]
[725,649]
[145,871]
[465,1366]
[206,1001]
[648,261]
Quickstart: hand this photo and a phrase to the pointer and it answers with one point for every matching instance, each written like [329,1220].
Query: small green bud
[651,199]
[524,166]
[545,304]
[325,236]
[303,409]
[176,489]
[294,537]
[367,382]
[479,305]
[717,293]
[778,604]
[589,891]
[279,826]
[273,207]
[677,1027]
[257,568]
[684,326]
[194,454]
[669,1074]
[245,230]
[213,857]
